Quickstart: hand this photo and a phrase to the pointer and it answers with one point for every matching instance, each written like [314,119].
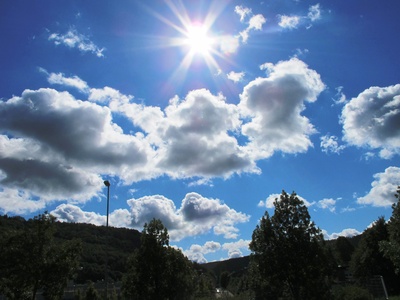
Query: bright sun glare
[198,39]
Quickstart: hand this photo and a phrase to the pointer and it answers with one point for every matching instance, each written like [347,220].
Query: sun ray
[195,37]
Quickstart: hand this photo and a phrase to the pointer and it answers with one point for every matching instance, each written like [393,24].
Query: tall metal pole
[107,184]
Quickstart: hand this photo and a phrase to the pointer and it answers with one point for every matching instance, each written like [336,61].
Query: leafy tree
[288,256]
[91,292]
[391,248]
[31,260]
[344,250]
[157,271]
[368,260]
[224,280]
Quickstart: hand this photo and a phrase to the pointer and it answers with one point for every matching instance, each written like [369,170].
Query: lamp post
[107,184]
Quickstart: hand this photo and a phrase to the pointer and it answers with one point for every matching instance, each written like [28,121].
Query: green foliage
[391,247]
[157,271]
[92,293]
[224,280]
[344,250]
[288,255]
[351,292]
[368,260]
[31,260]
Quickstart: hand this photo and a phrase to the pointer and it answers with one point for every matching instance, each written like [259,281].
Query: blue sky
[200,113]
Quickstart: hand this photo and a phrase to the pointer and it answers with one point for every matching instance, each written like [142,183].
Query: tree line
[289,260]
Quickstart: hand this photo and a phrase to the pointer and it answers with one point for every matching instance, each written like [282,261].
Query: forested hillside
[97,241]
[289,256]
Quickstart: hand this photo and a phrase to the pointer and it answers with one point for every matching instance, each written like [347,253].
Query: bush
[351,292]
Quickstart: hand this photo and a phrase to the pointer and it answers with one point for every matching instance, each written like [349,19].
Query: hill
[97,244]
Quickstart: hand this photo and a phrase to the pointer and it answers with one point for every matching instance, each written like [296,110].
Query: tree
[391,248]
[368,260]
[224,280]
[32,260]
[157,271]
[344,250]
[288,257]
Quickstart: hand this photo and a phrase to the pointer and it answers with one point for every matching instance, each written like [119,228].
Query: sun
[198,39]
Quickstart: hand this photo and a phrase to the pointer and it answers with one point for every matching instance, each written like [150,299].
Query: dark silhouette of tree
[32,260]
[288,256]
[368,260]
[344,250]
[391,248]
[157,271]
[224,280]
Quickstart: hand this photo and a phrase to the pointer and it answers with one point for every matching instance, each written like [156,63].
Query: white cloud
[234,248]
[73,81]
[327,204]
[18,202]
[371,120]
[195,138]
[289,22]
[74,214]
[340,97]
[64,168]
[269,202]
[242,12]
[383,188]
[235,76]
[197,215]
[329,144]
[275,104]
[294,21]
[196,252]
[229,44]
[314,12]
[73,39]
[348,232]
[256,22]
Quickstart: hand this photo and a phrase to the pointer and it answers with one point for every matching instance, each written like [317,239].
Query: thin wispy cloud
[73,39]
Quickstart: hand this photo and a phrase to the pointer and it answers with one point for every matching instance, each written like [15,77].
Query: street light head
[106,183]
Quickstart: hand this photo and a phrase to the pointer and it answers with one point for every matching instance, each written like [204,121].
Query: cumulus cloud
[235,248]
[73,39]
[74,214]
[197,215]
[60,146]
[383,188]
[348,232]
[18,202]
[54,146]
[255,23]
[329,144]
[327,204]
[289,22]
[274,106]
[372,120]
[195,138]
[235,76]
[269,202]
[196,252]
